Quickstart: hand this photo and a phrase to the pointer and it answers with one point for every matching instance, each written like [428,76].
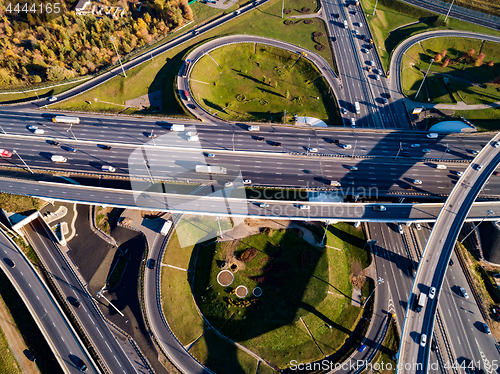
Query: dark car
[451,263]
[74,301]
[151,263]
[53,142]
[29,355]
[276,144]
[81,365]
[260,138]
[9,262]
[361,348]
[68,149]
[434,346]
[334,38]
[405,154]
[331,141]
[104,146]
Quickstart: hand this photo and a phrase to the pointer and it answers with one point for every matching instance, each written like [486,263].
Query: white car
[353,122]
[210,155]
[312,150]
[423,340]
[495,144]
[400,229]
[415,145]
[247,181]
[36,130]
[343,110]
[228,184]
[464,293]
[353,168]
[380,208]
[304,207]
[460,173]
[263,205]
[377,77]
[346,146]
[417,181]
[359,24]
[52,99]
[417,225]
[432,293]
[356,32]
[426,150]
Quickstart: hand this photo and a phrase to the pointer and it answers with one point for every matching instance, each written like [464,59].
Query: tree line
[36,48]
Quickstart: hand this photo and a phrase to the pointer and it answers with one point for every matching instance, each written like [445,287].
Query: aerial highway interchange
[373,165]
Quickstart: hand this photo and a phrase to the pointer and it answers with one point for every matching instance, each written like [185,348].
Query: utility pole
[425,76]
[449,9]
[354,149]
[322,244]
[3,130]
[282,8]
[284,117]
[119,59]
[220,230]
[233,140]
[25,164]
[374,9]
[446,150]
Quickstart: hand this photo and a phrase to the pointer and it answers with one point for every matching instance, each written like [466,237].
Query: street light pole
[25,164]
[446,150]
[354,149]
[149,172]
[70,126]
[322,244]
[423,80]
[374,9]
[100,294]
[399,150]
[379,282]
[220,230]
[119,59]
[233,140]
[449,9]
[282,8]
[488,212]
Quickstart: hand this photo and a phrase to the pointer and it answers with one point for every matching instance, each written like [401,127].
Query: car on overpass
[5,153]
[380,208]
[423,340]
[417,181]
[432,293]
[464,293]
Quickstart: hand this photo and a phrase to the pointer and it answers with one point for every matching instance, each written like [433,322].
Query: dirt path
[15,340]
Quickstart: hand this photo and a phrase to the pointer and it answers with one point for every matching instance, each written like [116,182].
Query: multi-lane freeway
[61,338]
[436,256]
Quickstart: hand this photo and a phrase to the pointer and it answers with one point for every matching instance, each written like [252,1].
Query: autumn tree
[491,63]
[438,57]
[445,62]
[443,53]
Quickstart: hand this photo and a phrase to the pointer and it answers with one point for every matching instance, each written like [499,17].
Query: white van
[432,135]
[109,168]
[57,158]
[253,128]
[440,166]
[177,128]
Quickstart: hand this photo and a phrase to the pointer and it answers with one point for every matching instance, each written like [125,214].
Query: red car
[5,153]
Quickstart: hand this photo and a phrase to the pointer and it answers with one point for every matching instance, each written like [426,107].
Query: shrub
[241,97]
[491,63]
[445,62]
[248,255]
[318,34]
[438,57]
[308,21]
[287,11]
[306,10]
[288,22]
[320,47]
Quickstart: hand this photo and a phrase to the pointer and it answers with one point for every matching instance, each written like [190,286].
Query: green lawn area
[484,120]
[115,277]
[453,83]
[160,73]
[8,363]
[297,280]
[223,357]
[395,21]
[19,203]
[296,6]
[249,86]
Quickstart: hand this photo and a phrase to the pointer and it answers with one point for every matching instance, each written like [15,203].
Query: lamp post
[119,59]
[449,9]
[374,9]
[379,282]
[354,149]
[70,126]
[322,244]
[399,150]
[25,164]
[488,212]
[423,80]
[446,150]
[220,230]
[149,172]
[100,294]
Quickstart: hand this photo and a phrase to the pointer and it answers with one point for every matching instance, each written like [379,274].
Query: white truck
[56,158]
[210,169]
[421,302]
[166,227]
[356,106]
[64,119]
[253,128]
[193,138]
[345,24]
[177,128]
